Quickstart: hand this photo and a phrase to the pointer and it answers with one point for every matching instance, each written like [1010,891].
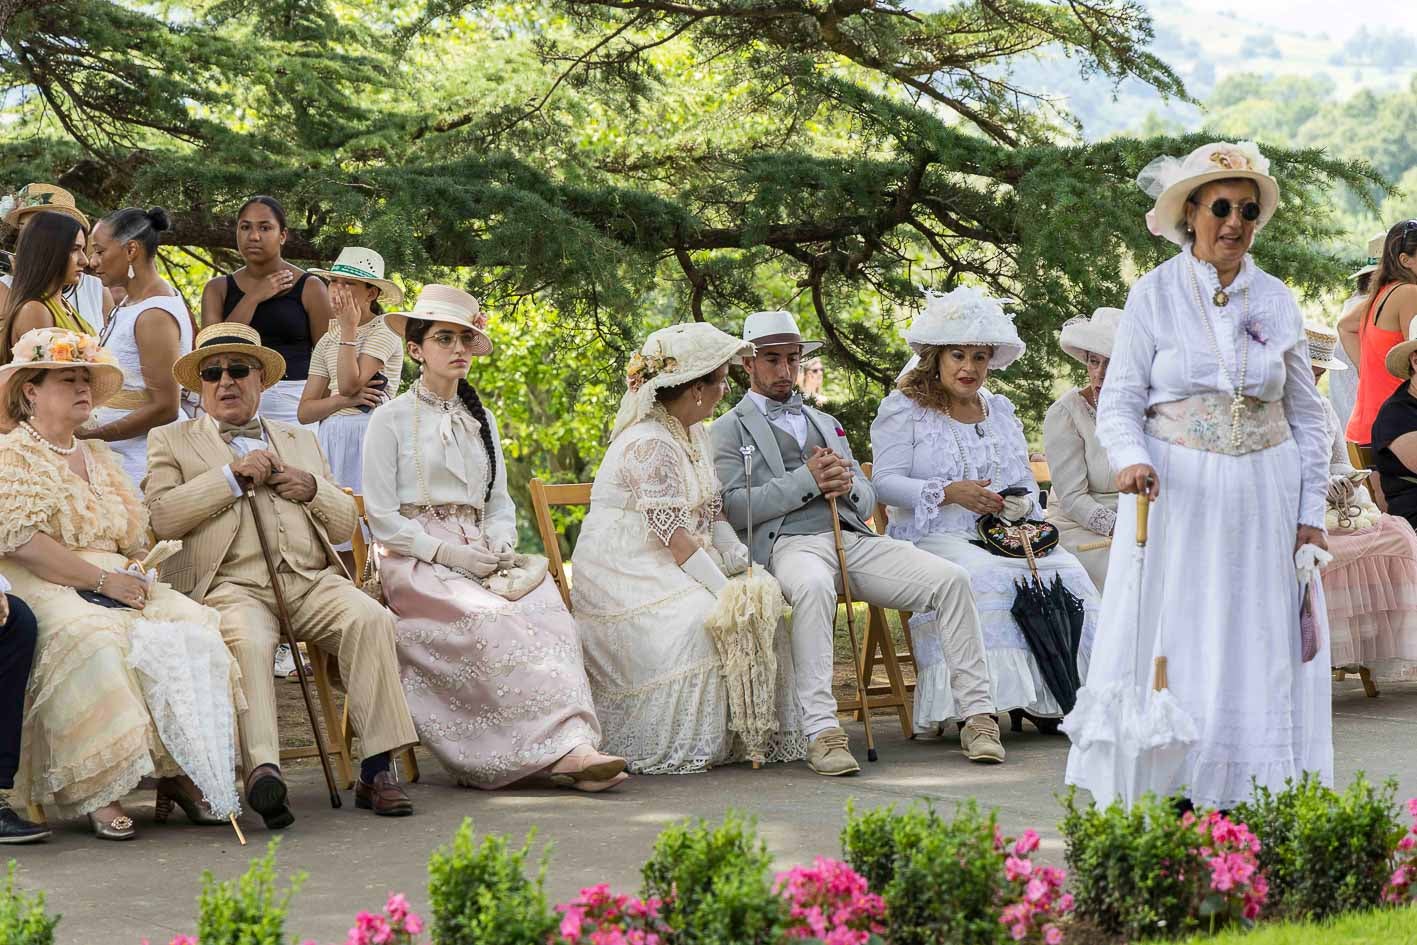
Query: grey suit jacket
[775,491]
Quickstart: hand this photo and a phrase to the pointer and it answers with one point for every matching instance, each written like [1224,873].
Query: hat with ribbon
[1323,344]
[670,357]
[443,303]
[33,198]
[59,349]
[228,338]
[1095,334]
[362,265]
[764,329]
[1375,252]
[1171,181]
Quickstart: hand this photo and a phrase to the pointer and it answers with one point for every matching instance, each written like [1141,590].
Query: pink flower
[1065,904]
[1407,842]
[1016,869]
[1027,843]
[1052,935]
[1017,932]
[412,924]
[1036,890]
[396,907]
[1412,806]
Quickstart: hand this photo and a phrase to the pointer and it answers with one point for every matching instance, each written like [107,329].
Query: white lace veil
[669,357]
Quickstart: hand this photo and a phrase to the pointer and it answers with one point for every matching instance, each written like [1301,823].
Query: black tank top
[283,324]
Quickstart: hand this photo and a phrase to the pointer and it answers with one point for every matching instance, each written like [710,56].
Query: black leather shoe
[265,792]
[15,829]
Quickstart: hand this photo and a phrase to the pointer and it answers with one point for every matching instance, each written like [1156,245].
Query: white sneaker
[285,662]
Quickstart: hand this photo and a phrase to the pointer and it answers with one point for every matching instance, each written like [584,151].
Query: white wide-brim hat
[1375,252]
[1323,343]
[1095,334]
[228,338]
[670,357]
[764,329]
[443,303]
[966,316]
[362,265]
[1171,181]
[59,349]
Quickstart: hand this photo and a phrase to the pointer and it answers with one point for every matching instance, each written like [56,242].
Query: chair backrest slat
[545,496]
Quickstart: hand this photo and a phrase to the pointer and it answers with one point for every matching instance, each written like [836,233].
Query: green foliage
[480,894]
[248,911]
[942,880]
[1324,853]
[1386,927]
[716,883]
[1125,867]
[23,919]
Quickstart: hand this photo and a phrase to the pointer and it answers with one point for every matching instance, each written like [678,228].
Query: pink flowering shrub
[1401,887]
[1231,887]
[829,901]
[596,917]
[1036,899]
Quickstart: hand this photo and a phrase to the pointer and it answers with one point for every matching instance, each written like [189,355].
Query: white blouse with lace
[454,465]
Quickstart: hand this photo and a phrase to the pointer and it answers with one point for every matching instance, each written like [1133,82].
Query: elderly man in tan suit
[197,471]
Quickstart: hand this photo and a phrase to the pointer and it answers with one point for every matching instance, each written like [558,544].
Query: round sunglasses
[1222,207]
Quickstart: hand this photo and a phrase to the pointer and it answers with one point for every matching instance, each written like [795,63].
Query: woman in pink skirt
[497,687]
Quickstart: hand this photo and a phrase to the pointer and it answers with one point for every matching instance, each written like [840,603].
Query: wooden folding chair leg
[408,761]
[339,733]
[1370,688]
[34,813]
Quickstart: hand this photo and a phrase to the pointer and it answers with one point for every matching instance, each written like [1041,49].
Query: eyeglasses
[1222,207]
[212,375]
[446,339]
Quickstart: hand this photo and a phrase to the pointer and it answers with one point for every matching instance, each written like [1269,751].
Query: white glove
[1016,507]
[733,552]
[473,559]
[1340,491]
[701,568]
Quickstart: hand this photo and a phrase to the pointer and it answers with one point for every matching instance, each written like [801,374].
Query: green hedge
[1386,927]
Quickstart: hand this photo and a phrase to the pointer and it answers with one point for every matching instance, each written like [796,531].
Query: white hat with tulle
[670,357]
[1172,181]
[965,316]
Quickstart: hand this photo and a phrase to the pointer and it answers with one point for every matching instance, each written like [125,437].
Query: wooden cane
[851,630]
[284,614]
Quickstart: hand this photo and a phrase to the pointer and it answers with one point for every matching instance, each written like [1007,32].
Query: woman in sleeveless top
[87,294]
[1368,332]
[287,308]
[147,334]
[50,255]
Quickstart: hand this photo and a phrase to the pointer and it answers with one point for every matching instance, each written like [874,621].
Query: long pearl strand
[985,430]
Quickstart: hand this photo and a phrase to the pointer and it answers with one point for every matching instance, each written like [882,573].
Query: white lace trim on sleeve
[1102,521]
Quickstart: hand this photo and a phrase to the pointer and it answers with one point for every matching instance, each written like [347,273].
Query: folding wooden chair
[1360,456]
[1044,477]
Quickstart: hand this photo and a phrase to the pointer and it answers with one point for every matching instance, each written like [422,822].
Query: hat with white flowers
[1172,181]
[966,316]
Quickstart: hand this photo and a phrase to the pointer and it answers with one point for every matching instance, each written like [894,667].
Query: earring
[698,400]
[130,270]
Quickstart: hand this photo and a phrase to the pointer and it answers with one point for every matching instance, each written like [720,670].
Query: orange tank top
[1375,384]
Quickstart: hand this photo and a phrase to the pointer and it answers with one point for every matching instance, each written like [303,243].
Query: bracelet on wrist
[349,344]
[102,576]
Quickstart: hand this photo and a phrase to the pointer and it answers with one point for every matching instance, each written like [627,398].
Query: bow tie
[251,429]
[792,405]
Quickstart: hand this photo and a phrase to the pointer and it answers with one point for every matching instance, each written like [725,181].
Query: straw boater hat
[32,198]
[362,265]
[1172,180]
[1375,252]
[670,357]
[59,349]
[1323,342]
[1095,334]
[764,329]
[228,338]
[1399,364]
[443,303]
[965,316]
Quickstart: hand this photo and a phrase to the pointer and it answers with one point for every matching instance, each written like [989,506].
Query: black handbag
[1029,538]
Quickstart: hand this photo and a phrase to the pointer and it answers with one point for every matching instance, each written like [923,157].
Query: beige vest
[295,545]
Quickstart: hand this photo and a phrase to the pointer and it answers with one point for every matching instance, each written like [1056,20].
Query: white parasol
[1135,736]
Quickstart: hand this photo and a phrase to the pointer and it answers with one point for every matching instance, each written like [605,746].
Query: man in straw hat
[802,459]
[197,472]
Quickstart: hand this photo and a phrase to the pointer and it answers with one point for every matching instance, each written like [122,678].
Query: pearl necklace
[986,431]
[1237,401]
[703,468]
[48,444]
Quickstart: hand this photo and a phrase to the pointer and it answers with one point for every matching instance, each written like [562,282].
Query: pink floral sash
[1203,422]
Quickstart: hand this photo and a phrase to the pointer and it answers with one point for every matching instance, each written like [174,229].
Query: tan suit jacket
[189,497]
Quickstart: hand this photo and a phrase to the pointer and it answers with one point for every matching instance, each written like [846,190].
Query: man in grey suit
[801,458]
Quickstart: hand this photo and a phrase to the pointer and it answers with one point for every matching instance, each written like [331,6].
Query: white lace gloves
[1016,507]
[701,568]
[1340,491]
[732,552]
[472,559]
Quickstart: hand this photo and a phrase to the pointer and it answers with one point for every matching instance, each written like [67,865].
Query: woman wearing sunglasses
[1210,408]
[490,658]
[1370,330]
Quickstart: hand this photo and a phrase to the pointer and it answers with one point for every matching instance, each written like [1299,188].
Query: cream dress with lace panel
[88,736]
[654,673]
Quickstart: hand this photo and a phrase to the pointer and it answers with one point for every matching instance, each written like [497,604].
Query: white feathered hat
[965,316]
[1172,180]
[670,357]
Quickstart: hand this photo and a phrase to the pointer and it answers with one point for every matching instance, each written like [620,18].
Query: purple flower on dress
[1254,327]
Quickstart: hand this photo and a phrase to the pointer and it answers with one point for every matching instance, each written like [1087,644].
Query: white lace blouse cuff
[927,507]
[664,521]
[1102,521]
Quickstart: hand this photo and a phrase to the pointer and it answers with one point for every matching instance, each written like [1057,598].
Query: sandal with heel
[170,791]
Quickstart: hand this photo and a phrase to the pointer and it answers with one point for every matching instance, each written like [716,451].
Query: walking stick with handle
[851,630]
[748,452]
[284,614]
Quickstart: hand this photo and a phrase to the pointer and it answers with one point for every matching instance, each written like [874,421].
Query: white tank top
[119,338]
[87,297]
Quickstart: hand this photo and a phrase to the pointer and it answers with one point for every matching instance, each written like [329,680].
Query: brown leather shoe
[265,792]
[385,797]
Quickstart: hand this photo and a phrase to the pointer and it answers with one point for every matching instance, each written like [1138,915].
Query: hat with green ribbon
[35,198]
[1375,252]
[362,265]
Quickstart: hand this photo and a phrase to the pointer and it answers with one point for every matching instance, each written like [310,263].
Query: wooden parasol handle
[1143,510]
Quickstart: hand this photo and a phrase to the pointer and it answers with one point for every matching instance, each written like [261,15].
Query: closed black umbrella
[1072,606]
[1043,617]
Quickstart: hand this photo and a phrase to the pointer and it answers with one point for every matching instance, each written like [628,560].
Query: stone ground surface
[121,892]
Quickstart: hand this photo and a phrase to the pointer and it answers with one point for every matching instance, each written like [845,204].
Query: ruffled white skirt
[282,402]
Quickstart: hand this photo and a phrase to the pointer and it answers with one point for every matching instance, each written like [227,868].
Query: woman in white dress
[653,555]
[497,687]
[86,294]
[146,334]
[1083,500]
[1210,406]
[943,449]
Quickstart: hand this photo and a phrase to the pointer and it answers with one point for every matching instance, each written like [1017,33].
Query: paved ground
[119,893]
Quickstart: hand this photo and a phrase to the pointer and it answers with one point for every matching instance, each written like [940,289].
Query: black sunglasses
[213,374]
[1222,207]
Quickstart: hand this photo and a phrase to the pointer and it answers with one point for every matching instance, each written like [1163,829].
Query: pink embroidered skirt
[1371,588]
[497,688]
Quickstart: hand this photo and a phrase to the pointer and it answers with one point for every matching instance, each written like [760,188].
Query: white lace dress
[917,453]
[654,673]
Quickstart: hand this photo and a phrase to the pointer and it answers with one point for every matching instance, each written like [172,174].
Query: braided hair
[415,331]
